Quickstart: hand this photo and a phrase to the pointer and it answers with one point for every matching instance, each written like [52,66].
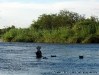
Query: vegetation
[4,30]
[64,27]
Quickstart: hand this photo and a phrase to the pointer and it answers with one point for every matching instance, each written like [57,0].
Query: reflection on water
[19,59]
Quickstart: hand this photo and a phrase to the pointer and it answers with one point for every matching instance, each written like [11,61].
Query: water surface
[19,59]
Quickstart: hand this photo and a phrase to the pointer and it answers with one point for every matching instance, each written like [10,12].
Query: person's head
[38,47]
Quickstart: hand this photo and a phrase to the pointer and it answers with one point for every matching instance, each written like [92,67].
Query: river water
[19,59]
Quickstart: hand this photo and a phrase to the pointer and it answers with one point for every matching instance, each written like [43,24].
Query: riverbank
[64,27]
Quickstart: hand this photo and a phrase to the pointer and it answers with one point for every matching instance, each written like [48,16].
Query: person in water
[38,53]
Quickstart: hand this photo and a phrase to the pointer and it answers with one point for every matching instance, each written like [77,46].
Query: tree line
[63,27]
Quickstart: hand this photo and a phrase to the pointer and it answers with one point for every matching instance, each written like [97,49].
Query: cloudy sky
[21,13]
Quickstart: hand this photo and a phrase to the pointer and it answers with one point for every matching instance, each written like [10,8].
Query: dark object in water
[45,58]
[80,57]
[38,53]
[53,55]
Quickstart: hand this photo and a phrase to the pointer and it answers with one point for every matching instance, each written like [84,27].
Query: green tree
[64,18]
[70,18]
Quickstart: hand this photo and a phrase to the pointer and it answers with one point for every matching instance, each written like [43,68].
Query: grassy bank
[62,35]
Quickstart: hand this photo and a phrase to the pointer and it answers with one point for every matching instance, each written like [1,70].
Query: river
[19,59]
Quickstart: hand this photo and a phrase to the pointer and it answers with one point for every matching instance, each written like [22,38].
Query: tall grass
[78,34]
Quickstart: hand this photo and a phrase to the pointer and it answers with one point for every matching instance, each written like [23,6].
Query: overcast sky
[21,13]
